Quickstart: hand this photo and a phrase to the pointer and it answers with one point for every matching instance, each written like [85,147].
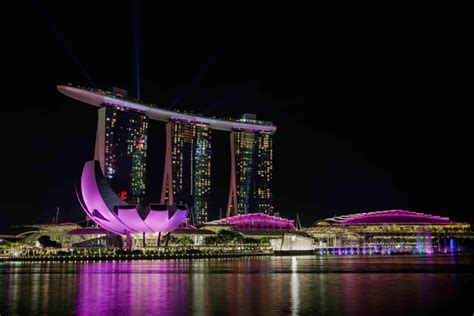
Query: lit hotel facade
[251,173]
[188,167]
[121,146]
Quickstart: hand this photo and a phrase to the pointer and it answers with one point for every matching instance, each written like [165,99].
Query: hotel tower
[121,149]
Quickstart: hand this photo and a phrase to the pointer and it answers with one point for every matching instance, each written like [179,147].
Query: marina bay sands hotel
[121,149]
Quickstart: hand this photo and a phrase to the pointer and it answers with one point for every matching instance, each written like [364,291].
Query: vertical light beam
[136,38]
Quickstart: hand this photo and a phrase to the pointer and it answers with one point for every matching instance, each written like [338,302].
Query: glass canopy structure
[390,231]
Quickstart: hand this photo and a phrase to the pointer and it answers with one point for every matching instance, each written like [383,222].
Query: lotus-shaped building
[105,208]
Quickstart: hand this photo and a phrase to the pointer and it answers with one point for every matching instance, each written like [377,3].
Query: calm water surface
[268,285]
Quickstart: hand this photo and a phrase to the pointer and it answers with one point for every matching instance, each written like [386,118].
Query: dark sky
[368,118]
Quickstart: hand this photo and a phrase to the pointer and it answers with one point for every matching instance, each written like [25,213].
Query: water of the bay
[301,285]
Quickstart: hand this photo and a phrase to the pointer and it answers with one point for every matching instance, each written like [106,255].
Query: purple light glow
[99,98]
[399,217]
[130,215]
[160,221]
[258,221]
[123,106]
[118,288]
[250,129]
[186,119]
[127,220]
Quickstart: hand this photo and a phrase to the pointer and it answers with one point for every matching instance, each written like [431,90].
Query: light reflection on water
[267,285]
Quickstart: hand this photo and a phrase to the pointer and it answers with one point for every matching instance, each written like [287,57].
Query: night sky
[368,119]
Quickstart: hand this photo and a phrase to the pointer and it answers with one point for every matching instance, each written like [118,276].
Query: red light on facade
[123,195]
[140,142]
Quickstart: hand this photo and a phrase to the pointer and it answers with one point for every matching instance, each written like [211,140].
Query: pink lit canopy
[399,217]
[258,221]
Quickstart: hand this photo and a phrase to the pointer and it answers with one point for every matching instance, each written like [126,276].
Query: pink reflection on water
[305,285]
[139,288]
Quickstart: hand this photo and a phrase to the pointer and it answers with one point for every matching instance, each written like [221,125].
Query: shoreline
[134,257]
[130,257]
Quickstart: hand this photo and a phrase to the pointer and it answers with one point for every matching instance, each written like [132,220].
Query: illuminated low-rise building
[56,233]
[385,232]
[257,222]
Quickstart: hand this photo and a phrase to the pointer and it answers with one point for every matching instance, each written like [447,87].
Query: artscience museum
[116,216]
